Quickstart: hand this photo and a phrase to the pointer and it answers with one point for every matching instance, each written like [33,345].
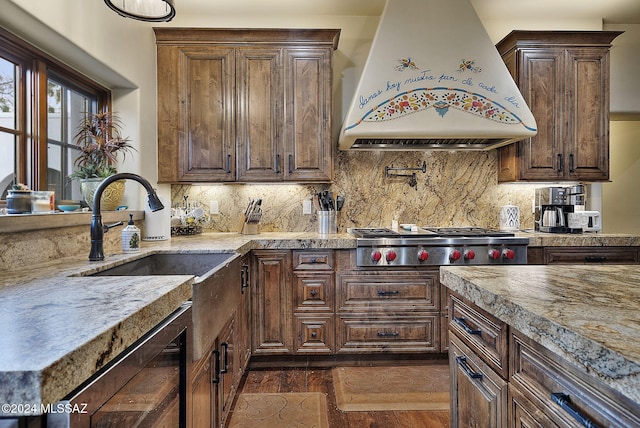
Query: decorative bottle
[130,237]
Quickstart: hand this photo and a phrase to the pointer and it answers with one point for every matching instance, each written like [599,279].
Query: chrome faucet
[97,229]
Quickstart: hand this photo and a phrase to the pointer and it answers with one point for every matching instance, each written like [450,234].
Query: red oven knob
[494,254]
[508,254]
[376,256]
[455,255]
[391,256]
[469,255]
[423,255]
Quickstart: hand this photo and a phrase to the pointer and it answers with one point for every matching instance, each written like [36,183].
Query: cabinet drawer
[486,335]
[591,255]
[362,333]
[313,259]
[538,374]
[373,291]
[314,334]
[313,291]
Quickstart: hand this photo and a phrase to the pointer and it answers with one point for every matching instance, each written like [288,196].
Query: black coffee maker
[553,204]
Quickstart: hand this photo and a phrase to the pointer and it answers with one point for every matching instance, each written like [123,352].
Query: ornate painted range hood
[434,80]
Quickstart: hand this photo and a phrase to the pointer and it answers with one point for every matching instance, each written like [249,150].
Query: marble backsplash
[458,189]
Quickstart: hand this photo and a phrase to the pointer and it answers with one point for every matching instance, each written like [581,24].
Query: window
[41,102]
[65,106]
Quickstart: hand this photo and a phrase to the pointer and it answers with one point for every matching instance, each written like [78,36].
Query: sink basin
[197,264]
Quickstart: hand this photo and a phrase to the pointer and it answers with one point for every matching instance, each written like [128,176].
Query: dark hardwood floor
[320,380]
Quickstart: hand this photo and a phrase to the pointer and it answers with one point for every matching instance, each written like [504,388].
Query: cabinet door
[228,376]
[203,393]
[308,147]
[259,120]
[587,134]
[199,137]
[541,84]
[271,302]
[478,394]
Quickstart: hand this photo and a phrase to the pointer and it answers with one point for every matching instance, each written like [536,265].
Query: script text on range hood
[434,80]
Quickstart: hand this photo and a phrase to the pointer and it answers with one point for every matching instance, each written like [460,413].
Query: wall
[458,188]
[621,203]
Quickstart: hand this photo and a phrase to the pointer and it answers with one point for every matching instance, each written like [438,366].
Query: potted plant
[100,140]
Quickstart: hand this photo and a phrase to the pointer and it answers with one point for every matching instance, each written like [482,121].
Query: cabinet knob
[313,293]
[314,334]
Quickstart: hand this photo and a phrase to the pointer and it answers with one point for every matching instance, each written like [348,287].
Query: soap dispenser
[130,237]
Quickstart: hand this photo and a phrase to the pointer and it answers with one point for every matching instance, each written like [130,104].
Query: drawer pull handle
[463,323]
[595,259]
[462,362]
[313,260]
[388,293]
[388,334]
[216,366]
[225,369]
[564,401]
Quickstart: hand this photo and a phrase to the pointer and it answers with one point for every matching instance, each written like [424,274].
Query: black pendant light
[144,10]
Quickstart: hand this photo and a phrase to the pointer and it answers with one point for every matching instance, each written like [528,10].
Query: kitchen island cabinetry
[564,78]
[244,105]
[516,362]
[583,255]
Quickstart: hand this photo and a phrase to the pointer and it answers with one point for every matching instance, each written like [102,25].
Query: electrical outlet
[306,206]
[213,207]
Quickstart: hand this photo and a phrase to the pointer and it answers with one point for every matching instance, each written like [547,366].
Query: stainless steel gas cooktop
[438,246]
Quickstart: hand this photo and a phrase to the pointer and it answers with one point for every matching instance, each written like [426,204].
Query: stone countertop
[540,239]
[59,326]
[588,316]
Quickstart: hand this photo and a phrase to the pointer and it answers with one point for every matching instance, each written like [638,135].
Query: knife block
[250,228]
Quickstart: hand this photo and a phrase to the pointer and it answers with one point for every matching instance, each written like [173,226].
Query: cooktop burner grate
[431,232]
[467,231]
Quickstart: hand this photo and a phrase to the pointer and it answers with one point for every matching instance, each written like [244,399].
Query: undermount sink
[197,264]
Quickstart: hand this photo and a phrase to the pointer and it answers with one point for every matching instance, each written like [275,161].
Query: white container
[157,225]
[509,217]
[130,237]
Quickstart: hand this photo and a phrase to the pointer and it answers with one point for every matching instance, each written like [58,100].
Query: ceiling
[610,11]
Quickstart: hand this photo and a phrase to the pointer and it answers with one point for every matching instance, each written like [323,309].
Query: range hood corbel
[434,81]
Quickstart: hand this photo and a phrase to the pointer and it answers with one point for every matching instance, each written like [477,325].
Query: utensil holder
[327,222]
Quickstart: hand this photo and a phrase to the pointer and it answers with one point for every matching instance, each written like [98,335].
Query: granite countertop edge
[578,347]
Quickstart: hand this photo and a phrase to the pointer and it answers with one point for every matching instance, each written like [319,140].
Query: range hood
[434,80]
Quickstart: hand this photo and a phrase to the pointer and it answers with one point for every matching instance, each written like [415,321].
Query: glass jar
[19,201]
[43,202]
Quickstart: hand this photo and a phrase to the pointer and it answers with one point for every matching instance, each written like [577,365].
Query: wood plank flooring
[321,380]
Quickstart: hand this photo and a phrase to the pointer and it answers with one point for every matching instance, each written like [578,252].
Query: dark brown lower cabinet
[478,394]
[583,255]
[217,374]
